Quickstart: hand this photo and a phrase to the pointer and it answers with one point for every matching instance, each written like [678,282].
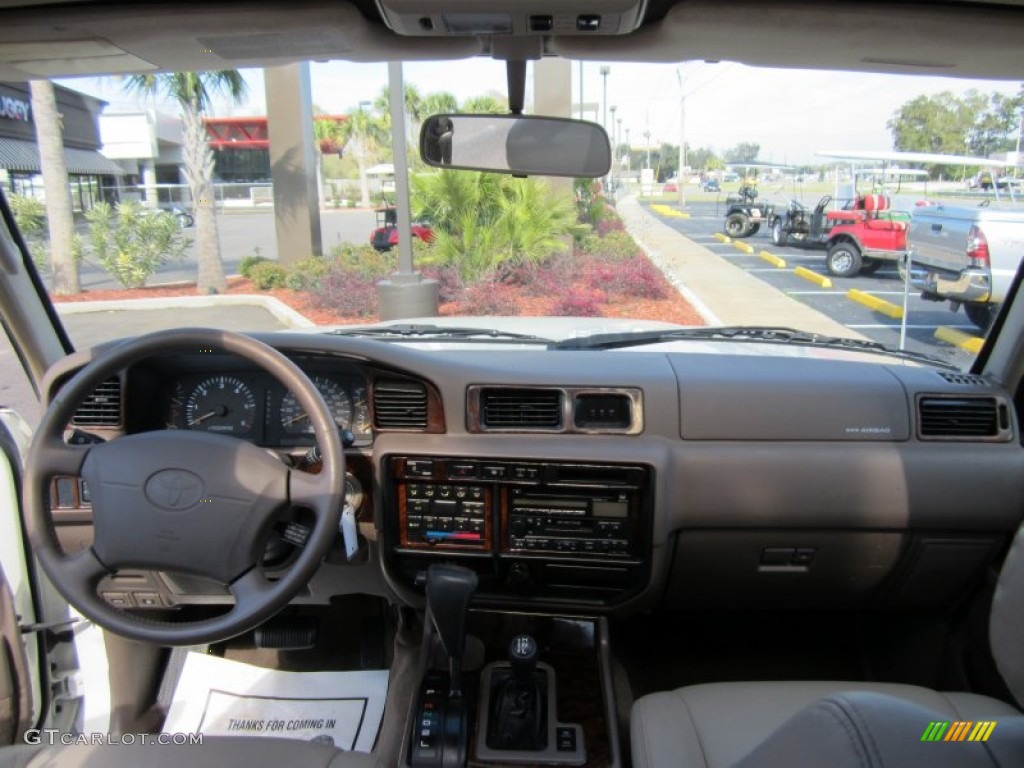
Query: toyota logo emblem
[174,489]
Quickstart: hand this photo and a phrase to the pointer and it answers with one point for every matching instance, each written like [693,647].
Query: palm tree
[192,91]
[439,103]
[330,139]
[363,134]
[50,138]
[488,104]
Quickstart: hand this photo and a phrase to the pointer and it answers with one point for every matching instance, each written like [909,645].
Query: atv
[745,213]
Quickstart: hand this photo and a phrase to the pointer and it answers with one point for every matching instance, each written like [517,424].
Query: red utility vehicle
[859,238]
[385,236]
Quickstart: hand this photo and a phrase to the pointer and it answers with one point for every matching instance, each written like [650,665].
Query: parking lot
[800,273]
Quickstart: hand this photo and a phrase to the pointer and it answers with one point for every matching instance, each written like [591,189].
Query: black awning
[23,157]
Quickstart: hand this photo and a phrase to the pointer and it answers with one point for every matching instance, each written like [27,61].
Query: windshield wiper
[752,333]
[411,332]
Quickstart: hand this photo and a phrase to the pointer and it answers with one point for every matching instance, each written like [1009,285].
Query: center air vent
[528,409]
[102,408]
[963,418]
[580,410]
[399,404]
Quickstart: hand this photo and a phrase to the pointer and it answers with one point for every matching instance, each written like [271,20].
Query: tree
[60,219]
[330,140]
[439,103]
[974,123]
[744,152]
[702,158]
[192,91]
[487,104]
[363,133]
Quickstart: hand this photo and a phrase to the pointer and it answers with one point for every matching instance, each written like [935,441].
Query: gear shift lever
[449,590]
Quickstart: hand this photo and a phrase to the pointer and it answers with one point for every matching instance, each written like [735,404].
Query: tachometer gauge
[221,404]
[294,419]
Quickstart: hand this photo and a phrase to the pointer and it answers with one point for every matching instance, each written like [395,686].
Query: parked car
[966,255]
[711,185]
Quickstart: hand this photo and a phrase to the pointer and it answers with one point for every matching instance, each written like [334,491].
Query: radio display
[611,509]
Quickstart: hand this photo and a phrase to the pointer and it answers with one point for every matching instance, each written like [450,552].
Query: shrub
[611,223]
[578,304]
[30,216]
[306,274]
[366,260]
[488,297]
[614,245]
[248,262]
[449,282]
[638,278]
[268,275]
[346,292]
[132,243]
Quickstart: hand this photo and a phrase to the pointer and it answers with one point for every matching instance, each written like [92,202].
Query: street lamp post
[611,172]
[629,154]
[682,134]
[605,70]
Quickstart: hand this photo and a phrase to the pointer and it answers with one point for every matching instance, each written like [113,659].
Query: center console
[539,531]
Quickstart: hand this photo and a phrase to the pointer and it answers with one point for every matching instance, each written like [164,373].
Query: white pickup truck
[966,255]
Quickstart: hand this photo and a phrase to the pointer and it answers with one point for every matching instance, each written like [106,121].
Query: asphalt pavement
[742,287]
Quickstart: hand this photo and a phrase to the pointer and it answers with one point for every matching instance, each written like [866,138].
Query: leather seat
[722,725]
[214,752]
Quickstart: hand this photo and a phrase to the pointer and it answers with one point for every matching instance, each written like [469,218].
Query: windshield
[794,212]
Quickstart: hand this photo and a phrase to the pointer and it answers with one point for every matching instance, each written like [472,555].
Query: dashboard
[611,482]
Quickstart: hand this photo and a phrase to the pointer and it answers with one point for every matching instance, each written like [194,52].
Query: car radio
[582,510]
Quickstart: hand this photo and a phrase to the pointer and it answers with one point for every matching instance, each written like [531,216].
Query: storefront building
[92,176]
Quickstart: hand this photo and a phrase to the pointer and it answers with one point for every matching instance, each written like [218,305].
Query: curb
[812,276]
[722,238]
[281,311]
[959,339]
[772,259]
[742,246]
[882,306]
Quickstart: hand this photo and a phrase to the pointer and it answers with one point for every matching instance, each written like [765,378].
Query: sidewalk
[720,291]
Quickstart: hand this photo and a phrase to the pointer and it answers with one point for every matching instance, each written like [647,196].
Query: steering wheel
[192,502]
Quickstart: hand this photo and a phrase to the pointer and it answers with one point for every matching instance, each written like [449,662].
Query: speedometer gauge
[295,420]
[221,404]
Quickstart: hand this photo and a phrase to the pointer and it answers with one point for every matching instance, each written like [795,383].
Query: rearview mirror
[523,145]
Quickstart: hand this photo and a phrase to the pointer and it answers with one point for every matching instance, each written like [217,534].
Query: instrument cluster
[254,406]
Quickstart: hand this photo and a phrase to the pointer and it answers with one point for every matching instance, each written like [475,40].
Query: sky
[790,113]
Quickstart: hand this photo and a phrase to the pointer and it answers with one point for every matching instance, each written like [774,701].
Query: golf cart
[860,237]
[385,236]
[745,213]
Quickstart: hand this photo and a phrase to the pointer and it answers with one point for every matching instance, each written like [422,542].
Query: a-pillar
[293,162]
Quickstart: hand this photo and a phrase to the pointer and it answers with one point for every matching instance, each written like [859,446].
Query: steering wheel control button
[174,489]
[118,599]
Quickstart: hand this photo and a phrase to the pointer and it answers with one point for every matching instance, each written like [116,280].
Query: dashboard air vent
[102,408]
[963,418]
[964,379]
[529,409]
[399,404]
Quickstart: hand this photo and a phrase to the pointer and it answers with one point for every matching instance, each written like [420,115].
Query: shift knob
[522,657]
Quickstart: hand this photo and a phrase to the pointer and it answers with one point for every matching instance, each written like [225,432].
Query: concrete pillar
[552,96]
[149,191]
[293,162]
